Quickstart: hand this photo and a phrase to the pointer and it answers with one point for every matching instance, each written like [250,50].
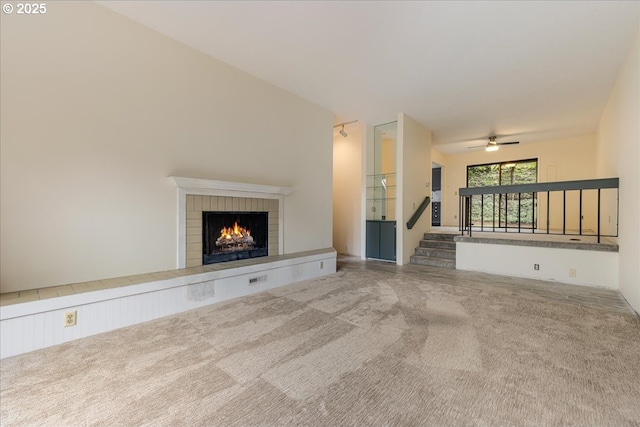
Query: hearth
[230,236]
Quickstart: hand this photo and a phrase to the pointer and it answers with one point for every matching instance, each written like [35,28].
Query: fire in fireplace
[229,236]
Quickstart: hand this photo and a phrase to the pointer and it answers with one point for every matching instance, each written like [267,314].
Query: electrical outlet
[321,265]
[536,266]
[572,272]
[70,318]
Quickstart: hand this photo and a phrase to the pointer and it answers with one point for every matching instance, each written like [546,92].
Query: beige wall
[558,160]
[98,110]
[414,172]
[618,148]
[347,192]
[438,157]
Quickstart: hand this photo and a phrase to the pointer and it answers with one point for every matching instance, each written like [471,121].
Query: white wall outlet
[572,272]
[70,318]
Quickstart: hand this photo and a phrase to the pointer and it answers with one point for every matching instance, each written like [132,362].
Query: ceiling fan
[492,145]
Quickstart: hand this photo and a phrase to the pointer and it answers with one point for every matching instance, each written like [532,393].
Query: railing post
[493,218]
[506,212]
[533,212]
[519,208]
[460,216]
[548,209]
[482,213]
[618,213]
[564,212]
[580,218]
[499,211]
[598,215]
[470,213]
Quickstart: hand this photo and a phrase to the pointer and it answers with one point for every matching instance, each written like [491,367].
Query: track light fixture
[342,125]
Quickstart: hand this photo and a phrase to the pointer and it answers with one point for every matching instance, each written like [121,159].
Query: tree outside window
[501,210]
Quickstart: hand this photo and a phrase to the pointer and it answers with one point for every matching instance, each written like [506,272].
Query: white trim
[182,228]
[208,187]
[400,222]
[208,184]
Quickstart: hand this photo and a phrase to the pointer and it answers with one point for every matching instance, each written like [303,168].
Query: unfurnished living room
[320,213]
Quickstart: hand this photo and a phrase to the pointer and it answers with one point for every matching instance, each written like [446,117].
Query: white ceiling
[527,70]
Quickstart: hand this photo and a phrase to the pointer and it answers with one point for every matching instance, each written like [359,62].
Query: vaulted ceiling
[467,70]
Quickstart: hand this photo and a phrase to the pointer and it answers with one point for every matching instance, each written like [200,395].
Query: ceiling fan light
[491,147]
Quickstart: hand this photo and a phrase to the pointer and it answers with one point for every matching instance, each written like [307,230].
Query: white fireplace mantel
[208,187]
[198,185]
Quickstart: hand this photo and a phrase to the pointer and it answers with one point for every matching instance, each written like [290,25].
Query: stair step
[439,236]
[433,262]
[436,253]
[438,244]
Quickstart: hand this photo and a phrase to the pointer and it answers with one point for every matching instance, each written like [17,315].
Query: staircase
[436,250]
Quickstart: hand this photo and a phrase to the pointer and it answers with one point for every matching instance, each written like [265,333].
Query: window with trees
[501,210]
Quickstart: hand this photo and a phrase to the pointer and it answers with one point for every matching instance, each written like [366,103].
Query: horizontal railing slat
[587,184]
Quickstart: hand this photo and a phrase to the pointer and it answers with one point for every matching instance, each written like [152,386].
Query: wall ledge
[33,325]
[598,247]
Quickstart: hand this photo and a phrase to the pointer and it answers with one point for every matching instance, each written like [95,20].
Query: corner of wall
[618,155]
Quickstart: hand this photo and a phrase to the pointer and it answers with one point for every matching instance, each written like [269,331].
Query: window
[503,210]
[505,173]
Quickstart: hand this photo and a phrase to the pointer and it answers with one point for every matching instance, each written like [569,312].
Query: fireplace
[196,196]
[230,236]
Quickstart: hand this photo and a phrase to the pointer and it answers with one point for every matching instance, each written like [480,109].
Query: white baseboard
[34,325]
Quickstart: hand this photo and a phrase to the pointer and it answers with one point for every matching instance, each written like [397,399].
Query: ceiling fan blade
[508,143]
[478,146]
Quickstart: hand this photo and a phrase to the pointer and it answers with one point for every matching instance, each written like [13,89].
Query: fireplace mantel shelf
[208,184]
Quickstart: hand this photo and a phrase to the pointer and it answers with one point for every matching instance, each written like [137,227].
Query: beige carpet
[369,346]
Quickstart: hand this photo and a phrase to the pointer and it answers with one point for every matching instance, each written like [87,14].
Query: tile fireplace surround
[196,204]
[36,320]
[199,195]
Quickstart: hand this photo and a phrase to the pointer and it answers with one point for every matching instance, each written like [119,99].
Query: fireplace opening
[230,236]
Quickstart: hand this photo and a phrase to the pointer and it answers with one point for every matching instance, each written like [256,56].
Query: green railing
[416,215]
